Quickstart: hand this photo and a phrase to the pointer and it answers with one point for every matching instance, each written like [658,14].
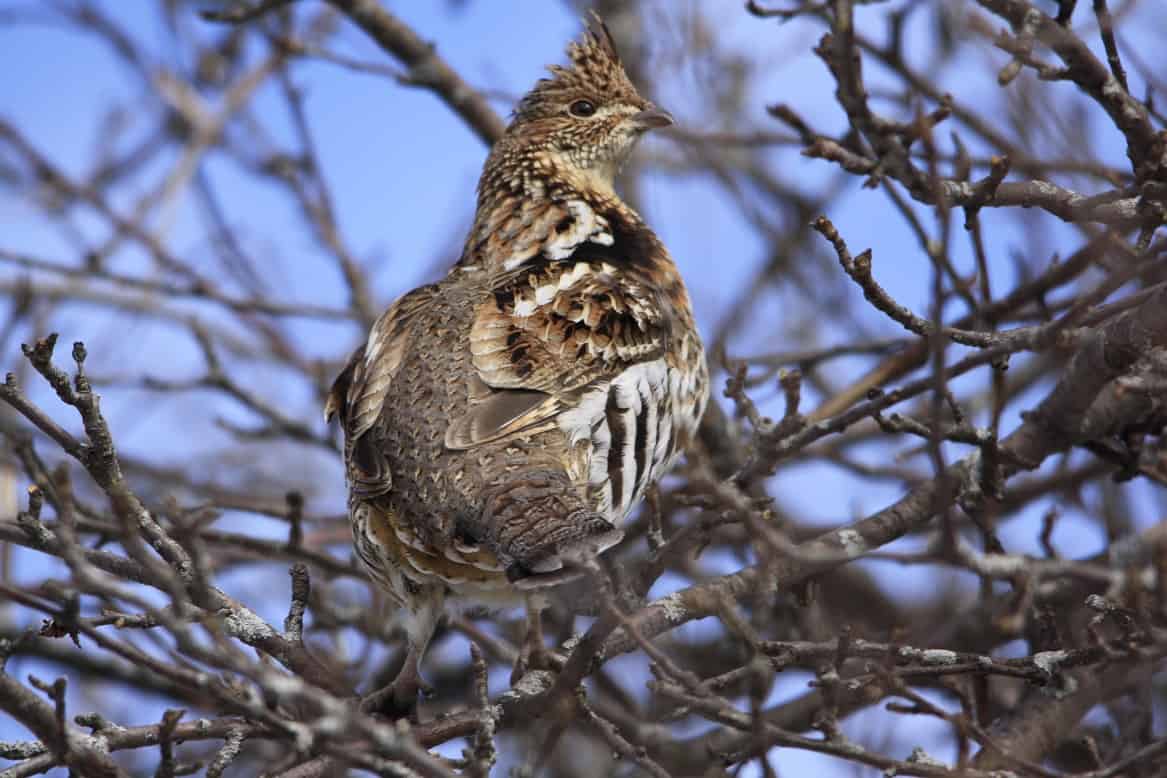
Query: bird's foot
[533,655]
[399,699]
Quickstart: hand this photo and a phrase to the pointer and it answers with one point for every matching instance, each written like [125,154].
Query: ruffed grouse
[501,423]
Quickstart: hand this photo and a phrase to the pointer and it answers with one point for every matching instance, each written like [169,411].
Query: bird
[502,423]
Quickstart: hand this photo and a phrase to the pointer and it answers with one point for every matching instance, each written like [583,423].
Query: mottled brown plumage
[501,423]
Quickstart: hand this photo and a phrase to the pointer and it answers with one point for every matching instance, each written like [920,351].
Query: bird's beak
[652,118]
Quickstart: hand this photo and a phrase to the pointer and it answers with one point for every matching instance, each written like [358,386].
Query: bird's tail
[539,524]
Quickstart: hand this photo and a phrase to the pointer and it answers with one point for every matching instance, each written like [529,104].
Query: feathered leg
[399,699]
[532,653]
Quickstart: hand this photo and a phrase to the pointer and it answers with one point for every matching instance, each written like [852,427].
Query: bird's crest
[595,70]
[597,43]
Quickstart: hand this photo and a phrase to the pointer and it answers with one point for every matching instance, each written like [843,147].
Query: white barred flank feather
[630,428]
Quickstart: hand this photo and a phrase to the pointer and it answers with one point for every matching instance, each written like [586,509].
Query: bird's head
[587,116]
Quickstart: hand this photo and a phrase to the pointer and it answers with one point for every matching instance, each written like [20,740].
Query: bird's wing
[549,333]
[358,394]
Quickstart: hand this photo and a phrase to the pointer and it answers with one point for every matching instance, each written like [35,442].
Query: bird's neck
[535,202]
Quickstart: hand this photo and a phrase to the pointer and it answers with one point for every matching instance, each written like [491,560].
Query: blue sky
[402,170]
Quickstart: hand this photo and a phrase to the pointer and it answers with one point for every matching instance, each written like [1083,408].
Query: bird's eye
[582,108]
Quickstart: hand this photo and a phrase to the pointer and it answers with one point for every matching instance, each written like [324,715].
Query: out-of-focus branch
[72,748]
[427,69]
[1146,148]
[1040,723]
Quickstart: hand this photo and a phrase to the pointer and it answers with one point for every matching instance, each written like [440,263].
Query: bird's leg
[409,683]
[399,698]
[533,655]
